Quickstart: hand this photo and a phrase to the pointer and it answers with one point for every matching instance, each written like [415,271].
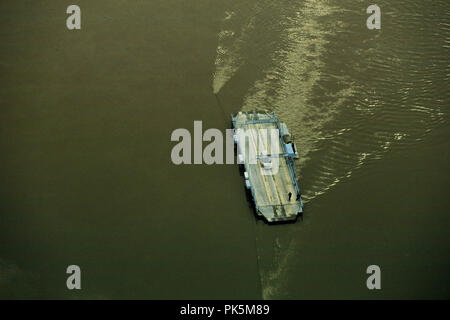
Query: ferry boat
[269,173]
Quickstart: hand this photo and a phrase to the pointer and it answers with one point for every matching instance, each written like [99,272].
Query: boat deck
[270,188]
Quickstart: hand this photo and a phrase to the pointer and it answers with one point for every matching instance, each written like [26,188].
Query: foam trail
[286,88]
[228,55]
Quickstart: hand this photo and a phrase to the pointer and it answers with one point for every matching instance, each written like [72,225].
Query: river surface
[87,179]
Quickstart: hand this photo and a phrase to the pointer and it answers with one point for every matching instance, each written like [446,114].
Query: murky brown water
[86,118]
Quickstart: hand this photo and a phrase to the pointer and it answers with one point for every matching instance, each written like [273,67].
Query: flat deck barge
[267,153]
